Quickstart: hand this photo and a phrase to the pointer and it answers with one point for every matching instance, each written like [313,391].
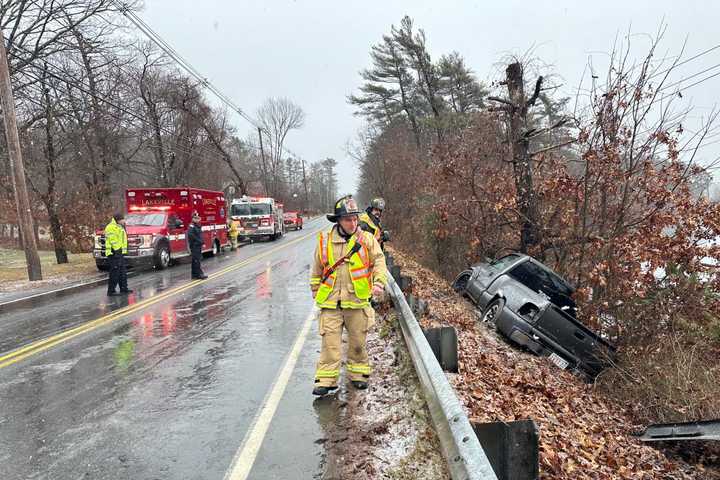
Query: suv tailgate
[591,350]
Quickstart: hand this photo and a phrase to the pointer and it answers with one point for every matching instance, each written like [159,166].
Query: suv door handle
[579,335]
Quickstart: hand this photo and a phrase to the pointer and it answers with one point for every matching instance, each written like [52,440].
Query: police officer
[370,221]
[348,270]
[195,242]
[116,247]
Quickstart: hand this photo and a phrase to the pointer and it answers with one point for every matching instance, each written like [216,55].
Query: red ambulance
[157,221]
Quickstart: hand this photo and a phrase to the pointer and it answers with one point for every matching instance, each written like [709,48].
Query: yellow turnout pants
[357,322]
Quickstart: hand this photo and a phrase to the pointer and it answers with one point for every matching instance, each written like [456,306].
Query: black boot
[322,391]
[360,385]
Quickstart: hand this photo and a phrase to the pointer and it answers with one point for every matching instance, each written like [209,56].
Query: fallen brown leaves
[582,434]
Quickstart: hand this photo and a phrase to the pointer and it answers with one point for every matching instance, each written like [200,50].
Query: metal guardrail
[465,457]
[707,430]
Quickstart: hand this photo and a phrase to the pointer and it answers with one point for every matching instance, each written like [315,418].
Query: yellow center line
[49,342]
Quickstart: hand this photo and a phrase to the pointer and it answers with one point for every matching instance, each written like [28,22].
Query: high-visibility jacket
[115,238]
[370,224]
[233,230]
[351,284]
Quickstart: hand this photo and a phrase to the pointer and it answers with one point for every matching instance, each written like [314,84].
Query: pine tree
[389,90]
[458,86]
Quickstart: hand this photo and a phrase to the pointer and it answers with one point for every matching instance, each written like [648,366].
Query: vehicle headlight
[146,241]
[96,240]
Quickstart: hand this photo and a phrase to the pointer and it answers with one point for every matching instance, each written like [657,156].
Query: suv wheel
[492,312]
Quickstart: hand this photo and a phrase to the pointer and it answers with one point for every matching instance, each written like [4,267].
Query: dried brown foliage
[620,216]
[583,433]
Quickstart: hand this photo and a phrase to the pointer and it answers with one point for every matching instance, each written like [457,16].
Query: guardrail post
[394,271]
[405,283]
[512,448]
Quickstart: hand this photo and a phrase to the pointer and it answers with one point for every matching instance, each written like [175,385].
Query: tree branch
[536,93]
[501,100]
[534,133]
[553,147]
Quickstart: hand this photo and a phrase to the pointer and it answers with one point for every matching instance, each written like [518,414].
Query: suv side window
[529,275]
[539,280]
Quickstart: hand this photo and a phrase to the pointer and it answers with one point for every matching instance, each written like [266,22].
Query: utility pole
[305,185]
[17,169]
[262,156]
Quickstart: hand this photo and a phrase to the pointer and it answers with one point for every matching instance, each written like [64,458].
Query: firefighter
[370,221]
[233,232]
[195,242]
[116,247]
[348,270]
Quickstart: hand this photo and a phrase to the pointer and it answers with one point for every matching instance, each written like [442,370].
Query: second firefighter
[348,270]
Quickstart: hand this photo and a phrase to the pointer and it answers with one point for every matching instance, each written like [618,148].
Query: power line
[683,80]
[674,66]
[132,114]
[186,65]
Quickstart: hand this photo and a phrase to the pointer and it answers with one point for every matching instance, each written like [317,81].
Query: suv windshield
[243,210]
[504,262]
[145,219]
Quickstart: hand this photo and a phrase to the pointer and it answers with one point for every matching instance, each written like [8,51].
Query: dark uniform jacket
[195,240]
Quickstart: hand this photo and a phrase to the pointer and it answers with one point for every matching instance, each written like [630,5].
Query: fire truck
[259,217]
[157,221]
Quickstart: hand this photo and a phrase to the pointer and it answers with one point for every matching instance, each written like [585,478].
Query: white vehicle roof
[238,201]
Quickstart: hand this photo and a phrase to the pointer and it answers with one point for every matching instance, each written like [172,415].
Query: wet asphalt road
[169,389]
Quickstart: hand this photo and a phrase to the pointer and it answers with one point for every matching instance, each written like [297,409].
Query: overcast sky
[312,50]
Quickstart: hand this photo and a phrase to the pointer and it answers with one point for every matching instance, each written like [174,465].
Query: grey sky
[312,51]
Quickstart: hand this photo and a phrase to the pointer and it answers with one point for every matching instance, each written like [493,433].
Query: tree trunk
[58,236]
[527,200]
[49,199]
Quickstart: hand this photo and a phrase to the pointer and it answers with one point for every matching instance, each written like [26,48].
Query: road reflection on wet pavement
[168,390]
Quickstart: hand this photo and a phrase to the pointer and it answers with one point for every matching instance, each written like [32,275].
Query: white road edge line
[245,457]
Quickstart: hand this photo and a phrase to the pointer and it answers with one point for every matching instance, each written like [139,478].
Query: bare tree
[278,116]
[42,28]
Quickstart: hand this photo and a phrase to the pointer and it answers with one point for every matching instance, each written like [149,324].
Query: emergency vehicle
[259,217]
[293,220]
[157,220]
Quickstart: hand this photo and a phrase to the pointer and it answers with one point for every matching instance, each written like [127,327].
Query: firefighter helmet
[378,203]
[344,207]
